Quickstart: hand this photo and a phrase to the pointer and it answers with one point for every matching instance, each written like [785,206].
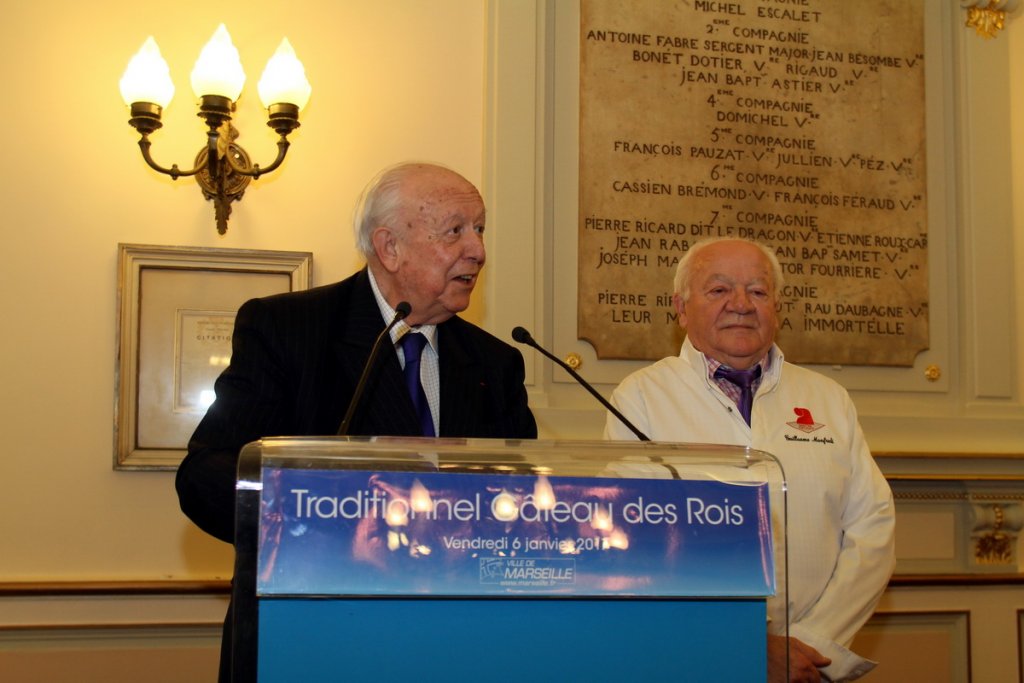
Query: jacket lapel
[385,408]
[461,383]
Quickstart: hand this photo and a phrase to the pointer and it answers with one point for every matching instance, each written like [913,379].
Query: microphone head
[521,335]
[403,309]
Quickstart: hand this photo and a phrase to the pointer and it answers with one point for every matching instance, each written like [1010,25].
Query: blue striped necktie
[744,379]
[412,345]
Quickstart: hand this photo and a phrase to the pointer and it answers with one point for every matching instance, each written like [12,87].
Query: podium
[470,559]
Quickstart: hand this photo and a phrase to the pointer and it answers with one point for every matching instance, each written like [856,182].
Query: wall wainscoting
[111,632]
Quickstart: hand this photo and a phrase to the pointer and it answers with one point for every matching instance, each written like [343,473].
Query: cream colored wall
[74,186]
[1015,54]
[392,79]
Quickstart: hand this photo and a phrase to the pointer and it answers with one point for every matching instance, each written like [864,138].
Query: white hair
[381,199]
[684,271]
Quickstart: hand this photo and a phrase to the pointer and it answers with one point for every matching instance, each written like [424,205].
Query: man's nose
[741,301]
[474,247]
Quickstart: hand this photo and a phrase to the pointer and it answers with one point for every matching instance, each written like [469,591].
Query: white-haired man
[297,357]
[731,385]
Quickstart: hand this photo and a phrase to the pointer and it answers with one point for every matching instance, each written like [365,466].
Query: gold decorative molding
[993,548]
[954,579]
[959,455]
[923,467]
[996,526]
[957,496]
[987,17]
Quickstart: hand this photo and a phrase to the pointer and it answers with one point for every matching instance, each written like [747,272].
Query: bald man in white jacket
[841,516]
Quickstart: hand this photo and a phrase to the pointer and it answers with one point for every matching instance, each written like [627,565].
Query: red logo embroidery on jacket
[804,421]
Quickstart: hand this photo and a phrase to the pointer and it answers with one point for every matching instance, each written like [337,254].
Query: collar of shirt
[401,329]
[730,389]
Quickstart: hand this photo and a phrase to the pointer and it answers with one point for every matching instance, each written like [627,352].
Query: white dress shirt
[430,376]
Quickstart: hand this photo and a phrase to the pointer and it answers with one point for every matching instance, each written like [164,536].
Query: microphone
[402,310]
[523,337]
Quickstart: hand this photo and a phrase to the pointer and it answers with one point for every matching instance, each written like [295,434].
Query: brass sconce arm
[256,171]
[173,171]
[146,119]
[284,118]
[225,180]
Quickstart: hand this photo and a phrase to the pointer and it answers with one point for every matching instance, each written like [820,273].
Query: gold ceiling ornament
[987,17]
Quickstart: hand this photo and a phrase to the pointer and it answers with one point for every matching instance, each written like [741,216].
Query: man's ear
[680,306]
[385,245]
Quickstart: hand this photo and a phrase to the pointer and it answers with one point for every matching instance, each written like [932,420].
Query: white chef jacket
[840,510]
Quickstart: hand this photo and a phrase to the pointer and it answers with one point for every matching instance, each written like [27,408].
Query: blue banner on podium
[359,533]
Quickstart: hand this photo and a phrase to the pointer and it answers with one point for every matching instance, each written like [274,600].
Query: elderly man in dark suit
[297,357]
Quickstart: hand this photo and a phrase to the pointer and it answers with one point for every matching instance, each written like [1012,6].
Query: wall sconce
[222,168]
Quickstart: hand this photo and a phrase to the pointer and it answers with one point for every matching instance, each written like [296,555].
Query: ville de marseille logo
[804,421]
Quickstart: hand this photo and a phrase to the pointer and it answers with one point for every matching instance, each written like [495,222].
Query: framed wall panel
[917,646]
[175,315]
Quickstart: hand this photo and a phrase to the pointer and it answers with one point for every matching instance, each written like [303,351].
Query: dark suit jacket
[296,359]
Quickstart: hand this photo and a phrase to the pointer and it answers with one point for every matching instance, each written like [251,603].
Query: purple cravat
[744,379]
[412,345]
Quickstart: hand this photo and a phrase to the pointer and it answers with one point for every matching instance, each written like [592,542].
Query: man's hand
[804,661]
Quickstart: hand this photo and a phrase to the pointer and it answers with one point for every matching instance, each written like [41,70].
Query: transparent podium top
[397,516]
[647,460]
